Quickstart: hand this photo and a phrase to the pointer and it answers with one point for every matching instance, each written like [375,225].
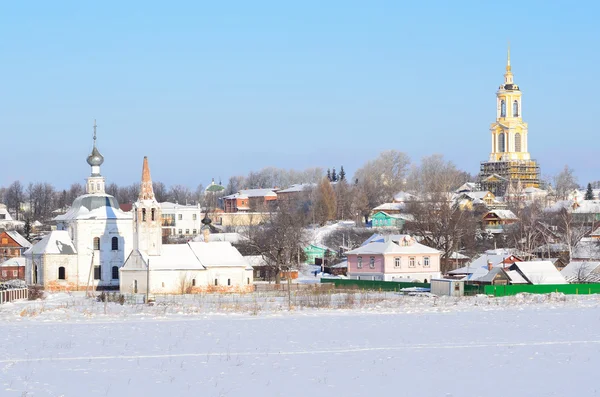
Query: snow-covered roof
[298,187]
[167,205]
[504,214]
[94,206]
[22,241]
[586,249]
[390,207]
[14,262]
[401,197]
[539,272]
[381,238]
[57,242]
[174,257]
[217,254]
[231,237]
[457,256]
[515,277]
[255,260]
[247,193]
[582,271]
[389,247]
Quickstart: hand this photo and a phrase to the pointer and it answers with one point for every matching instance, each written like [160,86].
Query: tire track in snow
[305,352]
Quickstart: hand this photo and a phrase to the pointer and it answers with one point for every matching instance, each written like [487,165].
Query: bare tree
[15,197]
[565,182]
[343,200]
[280,240]
[160,191]
[180,194]
[383,177]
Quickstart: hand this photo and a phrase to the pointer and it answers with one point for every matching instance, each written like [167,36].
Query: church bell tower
[147,225]
[510,167]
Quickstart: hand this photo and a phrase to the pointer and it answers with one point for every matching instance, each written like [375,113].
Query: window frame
[397,262]
[114,242]
[412,261]
[359,262]
[113,272]
[96,243]
[371,262]
[426,262]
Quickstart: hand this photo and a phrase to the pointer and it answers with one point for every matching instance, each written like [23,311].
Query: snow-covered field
[252,346]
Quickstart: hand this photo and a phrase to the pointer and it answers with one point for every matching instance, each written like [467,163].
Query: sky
[215,89]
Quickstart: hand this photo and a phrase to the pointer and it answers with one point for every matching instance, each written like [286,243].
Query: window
[248,280]
[115,272]
[193,282]
[153,214]
[216,281]
[501,142]
[187,231]
[228,281]
[502,108]
[4,239]
[179,216]
[180,232]
[359,262]
[15,273]
[517,142]
[97,273]
[411,261]
[4,273]
[143,215]
[194,216]
[61,273]
[195,231]
[163,284]
[97,243]
[135,286]
[426,261]
[115,244]
[372,262]
[516,109]
[396,262]
[98,186]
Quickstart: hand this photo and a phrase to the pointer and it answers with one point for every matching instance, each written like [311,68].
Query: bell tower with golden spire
[509,160]
[147,223]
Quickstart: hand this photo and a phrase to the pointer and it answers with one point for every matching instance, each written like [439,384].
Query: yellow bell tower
[510,164]
[509,132]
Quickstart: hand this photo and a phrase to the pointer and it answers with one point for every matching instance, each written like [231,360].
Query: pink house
[391,260]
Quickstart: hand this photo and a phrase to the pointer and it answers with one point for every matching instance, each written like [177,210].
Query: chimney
[490,265]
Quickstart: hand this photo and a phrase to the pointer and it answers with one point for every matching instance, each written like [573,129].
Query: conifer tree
[589,194]
[329,174]
[334,176]
[342,174]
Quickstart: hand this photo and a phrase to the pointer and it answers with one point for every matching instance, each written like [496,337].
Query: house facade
[384,219]
[255,200]
[394,261]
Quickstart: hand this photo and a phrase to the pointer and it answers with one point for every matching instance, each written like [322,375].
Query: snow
[542,345]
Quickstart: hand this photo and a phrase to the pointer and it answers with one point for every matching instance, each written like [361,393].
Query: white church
[99,246]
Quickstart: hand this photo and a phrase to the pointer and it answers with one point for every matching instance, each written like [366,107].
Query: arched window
[216,281]
[115,272]
[228,281]
[115,244]
[61,273]
[97,243]
[502,108]
[143,215]
[153,214]
[517,142]
[516,109]
[501,145]
[193,282]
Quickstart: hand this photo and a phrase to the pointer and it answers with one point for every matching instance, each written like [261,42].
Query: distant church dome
[95,158]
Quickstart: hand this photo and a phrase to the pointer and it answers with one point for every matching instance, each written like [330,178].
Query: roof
[173,257]
[582,271]
[503,214]
[14,262]
[231,237]
[247,193]
[255,260]
[586,249]
[390,207]
[539,272]
[94,206]
[401,197]
[390,247]
[217,254]
[381,238]
[490,275]
[22,241]
[58,242]
[515,277]
[482,262]
[457,256]
[299,187]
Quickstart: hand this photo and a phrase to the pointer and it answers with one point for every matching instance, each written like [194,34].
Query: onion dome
[206,221]
[95,159]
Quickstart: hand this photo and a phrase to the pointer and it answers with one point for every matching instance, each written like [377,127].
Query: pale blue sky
[212,89]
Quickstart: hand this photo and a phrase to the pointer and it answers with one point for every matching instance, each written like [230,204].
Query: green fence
[570,289]
[373,285]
